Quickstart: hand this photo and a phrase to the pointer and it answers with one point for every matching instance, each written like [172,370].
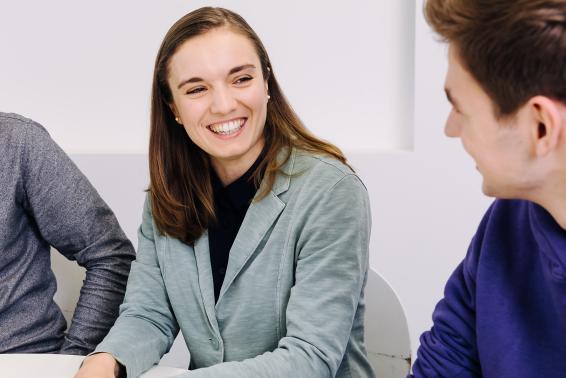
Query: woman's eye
[196,90]
[243,79]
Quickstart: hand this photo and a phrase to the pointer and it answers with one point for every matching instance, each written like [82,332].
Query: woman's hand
[99,365]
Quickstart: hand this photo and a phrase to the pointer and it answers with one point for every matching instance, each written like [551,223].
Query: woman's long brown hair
[180,188]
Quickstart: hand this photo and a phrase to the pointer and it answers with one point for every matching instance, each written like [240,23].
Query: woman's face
[220,96]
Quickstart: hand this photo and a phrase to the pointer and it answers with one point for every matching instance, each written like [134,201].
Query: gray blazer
[291,304]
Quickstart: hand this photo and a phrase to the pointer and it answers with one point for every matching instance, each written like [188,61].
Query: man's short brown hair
[515,49]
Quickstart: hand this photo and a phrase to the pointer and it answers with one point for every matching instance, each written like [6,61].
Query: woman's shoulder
[320,163]
[321,170]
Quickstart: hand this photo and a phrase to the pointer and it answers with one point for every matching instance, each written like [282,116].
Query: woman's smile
[228,129]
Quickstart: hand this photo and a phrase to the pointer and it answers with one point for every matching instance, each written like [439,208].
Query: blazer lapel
[258,221]
[202,254]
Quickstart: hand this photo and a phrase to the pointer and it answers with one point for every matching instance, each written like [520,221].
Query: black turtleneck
[230,204]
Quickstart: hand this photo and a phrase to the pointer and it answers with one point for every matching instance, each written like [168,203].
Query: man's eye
[196,90]
[243,79]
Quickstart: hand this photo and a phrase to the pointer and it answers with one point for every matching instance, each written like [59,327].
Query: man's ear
[547,124]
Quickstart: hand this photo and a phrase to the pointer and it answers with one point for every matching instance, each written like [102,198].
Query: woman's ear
[267,91]
[547,124]
[175,114]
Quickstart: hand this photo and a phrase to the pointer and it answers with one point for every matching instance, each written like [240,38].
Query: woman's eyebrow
[240,68]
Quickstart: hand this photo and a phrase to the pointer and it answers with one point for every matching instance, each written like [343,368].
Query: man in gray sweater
[46,201]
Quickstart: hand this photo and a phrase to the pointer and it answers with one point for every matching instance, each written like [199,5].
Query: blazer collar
[283,179]
[259,219]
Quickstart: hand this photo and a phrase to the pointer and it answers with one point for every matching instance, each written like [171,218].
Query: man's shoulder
[21,136]
[17,127]
[507,212]
[505,227]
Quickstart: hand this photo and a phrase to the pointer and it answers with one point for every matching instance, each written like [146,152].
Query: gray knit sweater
[46,201]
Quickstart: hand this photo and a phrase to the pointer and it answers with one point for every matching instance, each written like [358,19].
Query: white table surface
[58,366]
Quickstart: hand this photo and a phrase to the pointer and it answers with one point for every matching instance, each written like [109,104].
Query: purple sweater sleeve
[449,349]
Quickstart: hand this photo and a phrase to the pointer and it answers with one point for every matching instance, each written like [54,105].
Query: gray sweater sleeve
[71,217]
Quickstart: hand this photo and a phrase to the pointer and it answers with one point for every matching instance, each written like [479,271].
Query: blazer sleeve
[449,349]
[71,216]
[146,327]
[331,266]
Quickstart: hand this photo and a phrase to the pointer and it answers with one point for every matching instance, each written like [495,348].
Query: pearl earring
[177,120]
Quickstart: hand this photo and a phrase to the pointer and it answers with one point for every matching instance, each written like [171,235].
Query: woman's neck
[230,169]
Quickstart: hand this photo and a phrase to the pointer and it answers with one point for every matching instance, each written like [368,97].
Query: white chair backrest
[386,329]
[70,278]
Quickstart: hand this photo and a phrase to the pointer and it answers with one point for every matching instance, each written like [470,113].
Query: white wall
[83,70]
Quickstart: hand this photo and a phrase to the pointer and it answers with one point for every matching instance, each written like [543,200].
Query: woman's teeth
[227,128]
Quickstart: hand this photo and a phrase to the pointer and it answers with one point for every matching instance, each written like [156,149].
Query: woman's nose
[223,101]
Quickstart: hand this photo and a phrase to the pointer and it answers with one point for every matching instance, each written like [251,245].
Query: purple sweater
[46,201]
[504,308]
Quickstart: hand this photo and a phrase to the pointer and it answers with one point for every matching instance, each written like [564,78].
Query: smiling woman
[211,72]
[223,103]
[254,238]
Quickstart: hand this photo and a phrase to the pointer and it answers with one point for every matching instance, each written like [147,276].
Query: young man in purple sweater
[504,308]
